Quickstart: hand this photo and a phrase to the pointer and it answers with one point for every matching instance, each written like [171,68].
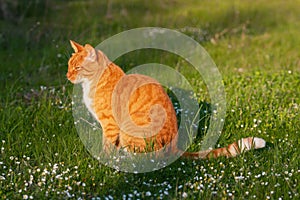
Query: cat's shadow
[200,114]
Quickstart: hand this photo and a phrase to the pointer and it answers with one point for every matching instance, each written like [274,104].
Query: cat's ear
[77,47]
[92,53]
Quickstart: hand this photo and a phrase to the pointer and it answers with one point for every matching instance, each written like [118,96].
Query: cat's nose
[68,75]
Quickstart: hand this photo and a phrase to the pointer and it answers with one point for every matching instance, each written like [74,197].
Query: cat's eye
[76,68]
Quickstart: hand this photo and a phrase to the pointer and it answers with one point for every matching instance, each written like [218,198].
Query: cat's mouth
[71,78]
[74,79]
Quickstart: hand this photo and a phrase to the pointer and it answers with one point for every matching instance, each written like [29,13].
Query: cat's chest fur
[88,101]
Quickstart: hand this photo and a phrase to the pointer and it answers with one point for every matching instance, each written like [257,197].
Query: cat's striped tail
[232,150]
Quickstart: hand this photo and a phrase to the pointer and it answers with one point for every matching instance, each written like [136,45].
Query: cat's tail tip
[259,143]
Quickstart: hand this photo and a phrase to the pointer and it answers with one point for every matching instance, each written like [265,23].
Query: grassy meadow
[256,46]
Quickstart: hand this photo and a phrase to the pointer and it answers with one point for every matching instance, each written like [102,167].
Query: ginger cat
[134,110]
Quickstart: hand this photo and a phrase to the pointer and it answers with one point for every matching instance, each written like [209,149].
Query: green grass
[255,45]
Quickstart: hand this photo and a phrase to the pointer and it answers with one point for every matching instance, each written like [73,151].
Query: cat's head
[85,62]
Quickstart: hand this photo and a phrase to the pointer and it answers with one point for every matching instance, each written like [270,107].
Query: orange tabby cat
[134,110]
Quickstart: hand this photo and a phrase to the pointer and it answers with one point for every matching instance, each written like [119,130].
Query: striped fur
[232,150]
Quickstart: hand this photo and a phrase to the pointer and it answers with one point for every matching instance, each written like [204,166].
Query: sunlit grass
[255,46]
